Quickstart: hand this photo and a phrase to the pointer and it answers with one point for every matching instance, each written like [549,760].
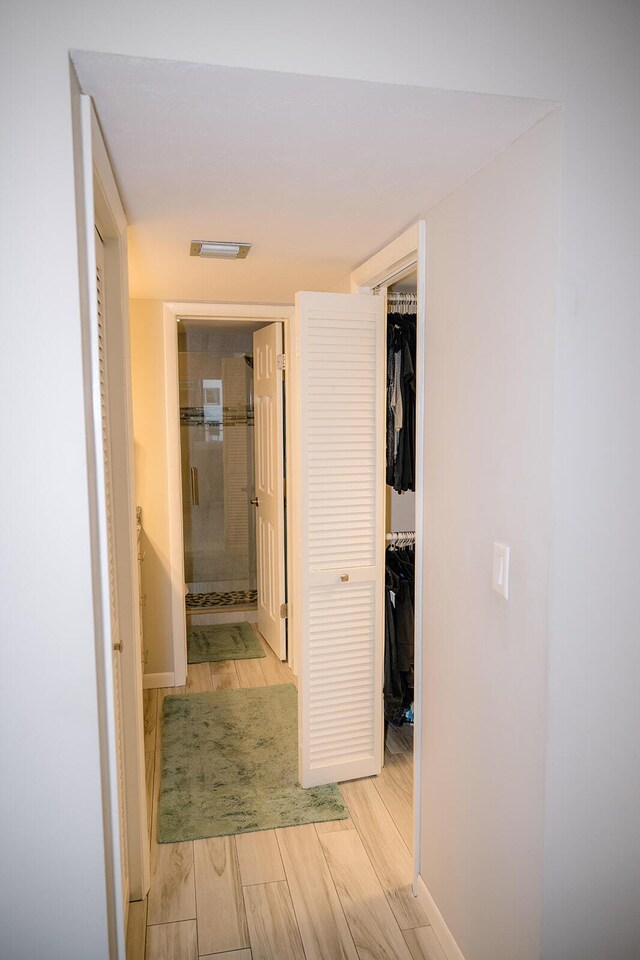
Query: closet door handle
[195,487]
[345,577]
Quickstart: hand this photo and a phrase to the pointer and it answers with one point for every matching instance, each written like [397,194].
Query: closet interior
[400,513]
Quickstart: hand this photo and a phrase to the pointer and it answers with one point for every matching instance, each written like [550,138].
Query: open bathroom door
[338,532]
[269,486]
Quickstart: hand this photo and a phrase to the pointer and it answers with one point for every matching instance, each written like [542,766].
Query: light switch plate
[501,553]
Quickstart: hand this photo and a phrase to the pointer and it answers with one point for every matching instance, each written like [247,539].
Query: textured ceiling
[317,173]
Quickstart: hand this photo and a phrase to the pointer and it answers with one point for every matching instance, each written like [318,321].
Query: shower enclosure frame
[172,313]
[219,518]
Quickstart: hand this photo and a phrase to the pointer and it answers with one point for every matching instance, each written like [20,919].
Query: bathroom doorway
[215,364]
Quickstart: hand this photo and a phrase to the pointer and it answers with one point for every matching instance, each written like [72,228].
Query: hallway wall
[580,52]
[491,302]
[152,492]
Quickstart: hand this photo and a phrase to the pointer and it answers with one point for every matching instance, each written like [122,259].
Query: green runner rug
[222,641]
[229,765]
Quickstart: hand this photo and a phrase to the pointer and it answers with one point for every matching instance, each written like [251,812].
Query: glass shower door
[216,433]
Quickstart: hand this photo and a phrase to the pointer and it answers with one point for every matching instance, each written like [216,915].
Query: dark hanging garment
[399,633]
[404,478]
[393,693]
[390,417]
[401,401]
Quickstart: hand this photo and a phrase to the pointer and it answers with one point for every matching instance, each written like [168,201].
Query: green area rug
[229,765]
[222,641]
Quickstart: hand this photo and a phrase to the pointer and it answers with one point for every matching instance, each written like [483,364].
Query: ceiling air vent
[219,249]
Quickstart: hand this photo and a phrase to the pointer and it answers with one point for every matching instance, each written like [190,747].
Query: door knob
[345,577]
[255,501]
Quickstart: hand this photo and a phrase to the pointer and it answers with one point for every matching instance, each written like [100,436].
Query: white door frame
[100,206]
[400,257]
[172,313]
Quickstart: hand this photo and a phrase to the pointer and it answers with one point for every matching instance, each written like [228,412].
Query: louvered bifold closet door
[341,377]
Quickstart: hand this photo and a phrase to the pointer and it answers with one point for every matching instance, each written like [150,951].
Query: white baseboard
[152,680]
[451,949]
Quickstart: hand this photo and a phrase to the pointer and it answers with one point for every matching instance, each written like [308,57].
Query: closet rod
[395,277]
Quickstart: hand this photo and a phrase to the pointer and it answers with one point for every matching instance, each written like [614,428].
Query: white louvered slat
[341,378]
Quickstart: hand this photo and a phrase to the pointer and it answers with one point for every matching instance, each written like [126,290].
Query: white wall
[54,897]
[152,491]
[491,285]
[582,52]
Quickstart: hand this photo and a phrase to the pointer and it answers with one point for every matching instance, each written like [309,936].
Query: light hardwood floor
[326,891]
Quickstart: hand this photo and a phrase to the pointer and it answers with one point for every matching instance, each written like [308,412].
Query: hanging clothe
[401,401]
[399,630]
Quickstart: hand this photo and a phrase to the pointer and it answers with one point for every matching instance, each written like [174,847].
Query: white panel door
[339,529]
[269,485]
[113,591]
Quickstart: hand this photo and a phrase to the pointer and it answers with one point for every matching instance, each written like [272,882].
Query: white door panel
[340,357]
[269,484]
[113,592]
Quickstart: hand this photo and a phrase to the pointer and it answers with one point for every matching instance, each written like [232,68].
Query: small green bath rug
[222,641]
[229,765]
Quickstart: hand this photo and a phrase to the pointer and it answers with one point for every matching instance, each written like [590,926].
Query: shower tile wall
[216,432]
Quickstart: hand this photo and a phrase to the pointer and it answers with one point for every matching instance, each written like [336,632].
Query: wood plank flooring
[222,924]
[326,891]
[259,856]
[321,920]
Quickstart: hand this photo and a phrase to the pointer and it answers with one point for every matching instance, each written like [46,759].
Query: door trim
[406,253]
[174,489]
[173,311]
